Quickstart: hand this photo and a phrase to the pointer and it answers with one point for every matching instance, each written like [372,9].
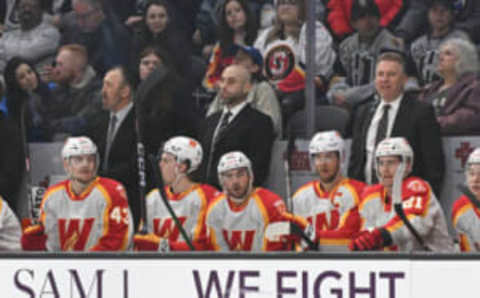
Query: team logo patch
[279,62]
[416,186]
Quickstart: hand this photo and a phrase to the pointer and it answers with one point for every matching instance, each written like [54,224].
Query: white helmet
[185,149]
[75,146]
[235,160]
[395,146]
[327,141]
[474,157]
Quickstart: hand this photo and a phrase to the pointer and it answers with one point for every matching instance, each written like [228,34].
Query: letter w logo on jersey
[239,240]
[325,221]
[166,228]
[74,233]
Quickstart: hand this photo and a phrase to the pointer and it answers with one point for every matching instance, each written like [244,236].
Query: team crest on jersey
[279,62]
[416,186]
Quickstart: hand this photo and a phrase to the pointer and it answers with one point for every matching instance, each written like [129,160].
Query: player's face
[82,168]
[112,91]
[439,17]
[386,167]
[236,182]
[473,179]
[235,16]
[233,86]
[148,64]
[287,11]
[168,164]
[367,26]
[390,80]
[26,77]
[157,18]
[447,58]
[327,165]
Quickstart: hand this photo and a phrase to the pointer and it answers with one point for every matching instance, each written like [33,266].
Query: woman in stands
[237,26]
[159,29]
[283,47]
[455,96]
[28,99]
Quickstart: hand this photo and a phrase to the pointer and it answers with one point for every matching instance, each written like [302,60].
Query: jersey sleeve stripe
[201,215]
[264,213]
[464,244]
[459,213]
[354,193]
[369,198]
[213,239]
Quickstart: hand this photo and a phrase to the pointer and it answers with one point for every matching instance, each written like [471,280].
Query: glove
[368,240]
[150,242]
[34,238]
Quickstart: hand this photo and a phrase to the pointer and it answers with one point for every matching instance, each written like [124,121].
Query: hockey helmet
[185,149]
[474,157]
[75,146]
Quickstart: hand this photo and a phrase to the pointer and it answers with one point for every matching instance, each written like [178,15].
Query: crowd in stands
[232,73]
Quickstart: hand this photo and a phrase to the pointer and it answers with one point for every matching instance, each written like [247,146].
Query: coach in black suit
[395,113]
[238,127]
[114,134]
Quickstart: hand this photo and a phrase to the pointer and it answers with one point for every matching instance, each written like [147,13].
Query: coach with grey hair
[456,96]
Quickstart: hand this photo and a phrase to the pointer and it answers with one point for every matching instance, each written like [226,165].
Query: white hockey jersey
[466,221]
[285,59]
[420,207]
[242,228]
[190,207]
[333,214]
[99,219]
[10,230]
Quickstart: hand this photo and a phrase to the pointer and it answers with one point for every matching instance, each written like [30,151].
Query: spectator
[237,127]
[77,94]
[28,99]
[396,113]
[359,52]
[340,15]
[159,29]
[114,133]
[237,27]
[35,40]
[283,47]
[12,160]
[424,50]
[411,22]
[455,97]
[9,13]
[262,96]
[107,41]
[166,109]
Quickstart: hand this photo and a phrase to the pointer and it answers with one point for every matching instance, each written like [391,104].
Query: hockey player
[329,203]
[237,219]
[401,211]
[189,200]
[10,230]
[466,210]
[83,213]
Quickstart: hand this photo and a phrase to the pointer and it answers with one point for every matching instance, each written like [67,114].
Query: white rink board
[148,278]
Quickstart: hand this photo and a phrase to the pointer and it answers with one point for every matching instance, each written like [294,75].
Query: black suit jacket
[122,161]
[250,131]
[417,123]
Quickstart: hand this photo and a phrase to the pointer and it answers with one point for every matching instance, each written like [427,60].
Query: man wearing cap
[392,112]
[358,54]
[424,50]
[261,97]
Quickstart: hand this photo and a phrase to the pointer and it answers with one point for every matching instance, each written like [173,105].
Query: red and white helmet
[327,141]
[474,157]
[398,146]
[75,146]
[233,160]
[185,149]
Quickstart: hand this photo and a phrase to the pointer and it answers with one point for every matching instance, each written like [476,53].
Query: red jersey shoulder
[210,192]
[370,190]
[272,202]
[461,202]
[359,186]
[114,188]
[414,186]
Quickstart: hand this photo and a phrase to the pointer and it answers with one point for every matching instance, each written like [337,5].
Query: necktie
[223,124]
[381,134]
[111,132]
